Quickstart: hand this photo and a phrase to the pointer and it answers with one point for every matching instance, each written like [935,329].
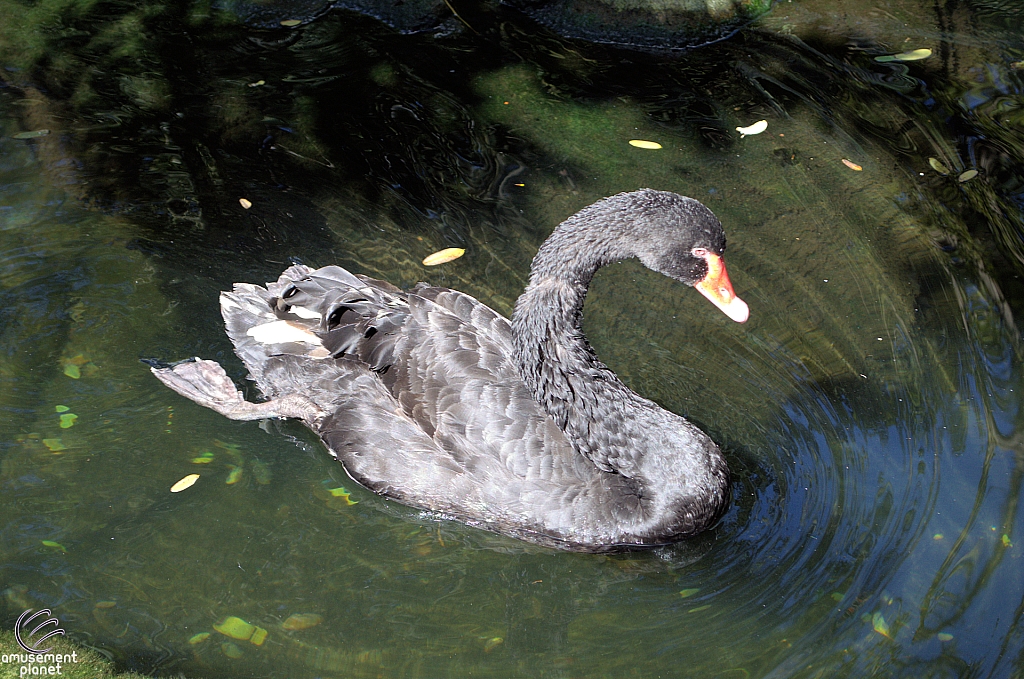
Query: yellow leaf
[235,627]
[184,483]
[54,445]
[442,256]
[644,144]
[879,624]
[852,165]
[291,22]
[259,635]
[757,128]
[199,638]
[67,420]
[72,371]
[233,476]
[913,55]
[967,175]
[938,166]
[245,203]
[944,636]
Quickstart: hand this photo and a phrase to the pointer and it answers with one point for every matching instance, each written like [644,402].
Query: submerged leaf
[852,165]
[443,256]
[30,135]
[61,409]
[199,638]
[757,128]
[235,627]
[298,621]
[259,635]
[879,624]
[644,144]
[938,166]
[944,636]
[54,545]
[54,445]
[291,22]
[344,495]
[231,650]
[967,175]
[233,476]
[205,457]
[688,592]
[67,420]
[72,371]
[184,483]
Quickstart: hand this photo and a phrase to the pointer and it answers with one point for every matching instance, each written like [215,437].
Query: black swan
[433,399]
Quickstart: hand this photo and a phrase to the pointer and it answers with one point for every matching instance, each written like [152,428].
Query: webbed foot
[206,383]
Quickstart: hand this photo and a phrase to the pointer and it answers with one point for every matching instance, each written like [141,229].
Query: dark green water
[869,409]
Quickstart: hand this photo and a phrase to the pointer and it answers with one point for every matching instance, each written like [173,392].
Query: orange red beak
[717,288]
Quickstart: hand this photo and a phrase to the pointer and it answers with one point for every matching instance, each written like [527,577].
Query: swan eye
[699,252]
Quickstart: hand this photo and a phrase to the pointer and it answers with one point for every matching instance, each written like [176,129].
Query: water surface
[868,409]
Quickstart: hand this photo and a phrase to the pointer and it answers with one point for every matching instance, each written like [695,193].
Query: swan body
[433,399]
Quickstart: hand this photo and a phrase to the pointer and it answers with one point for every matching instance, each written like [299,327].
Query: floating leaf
[757,128]
[259,635]
[67,420]
[54,545]
[245,203]
[236,628]
[231,650]
[291,22]
[199,638]
[233,476]
[54,445]
[298,621]
[184,483]
[30,135]
[944,636]
[61,409]
[912,55]
[938,166]
[967,175]
[688,592]
[879,624]
[72,371]
[442,256]
[644,144]
[852,165]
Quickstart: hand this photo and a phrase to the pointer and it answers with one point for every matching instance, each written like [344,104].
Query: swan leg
[206,383]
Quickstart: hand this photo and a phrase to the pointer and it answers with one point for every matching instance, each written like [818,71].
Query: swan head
[683,239]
